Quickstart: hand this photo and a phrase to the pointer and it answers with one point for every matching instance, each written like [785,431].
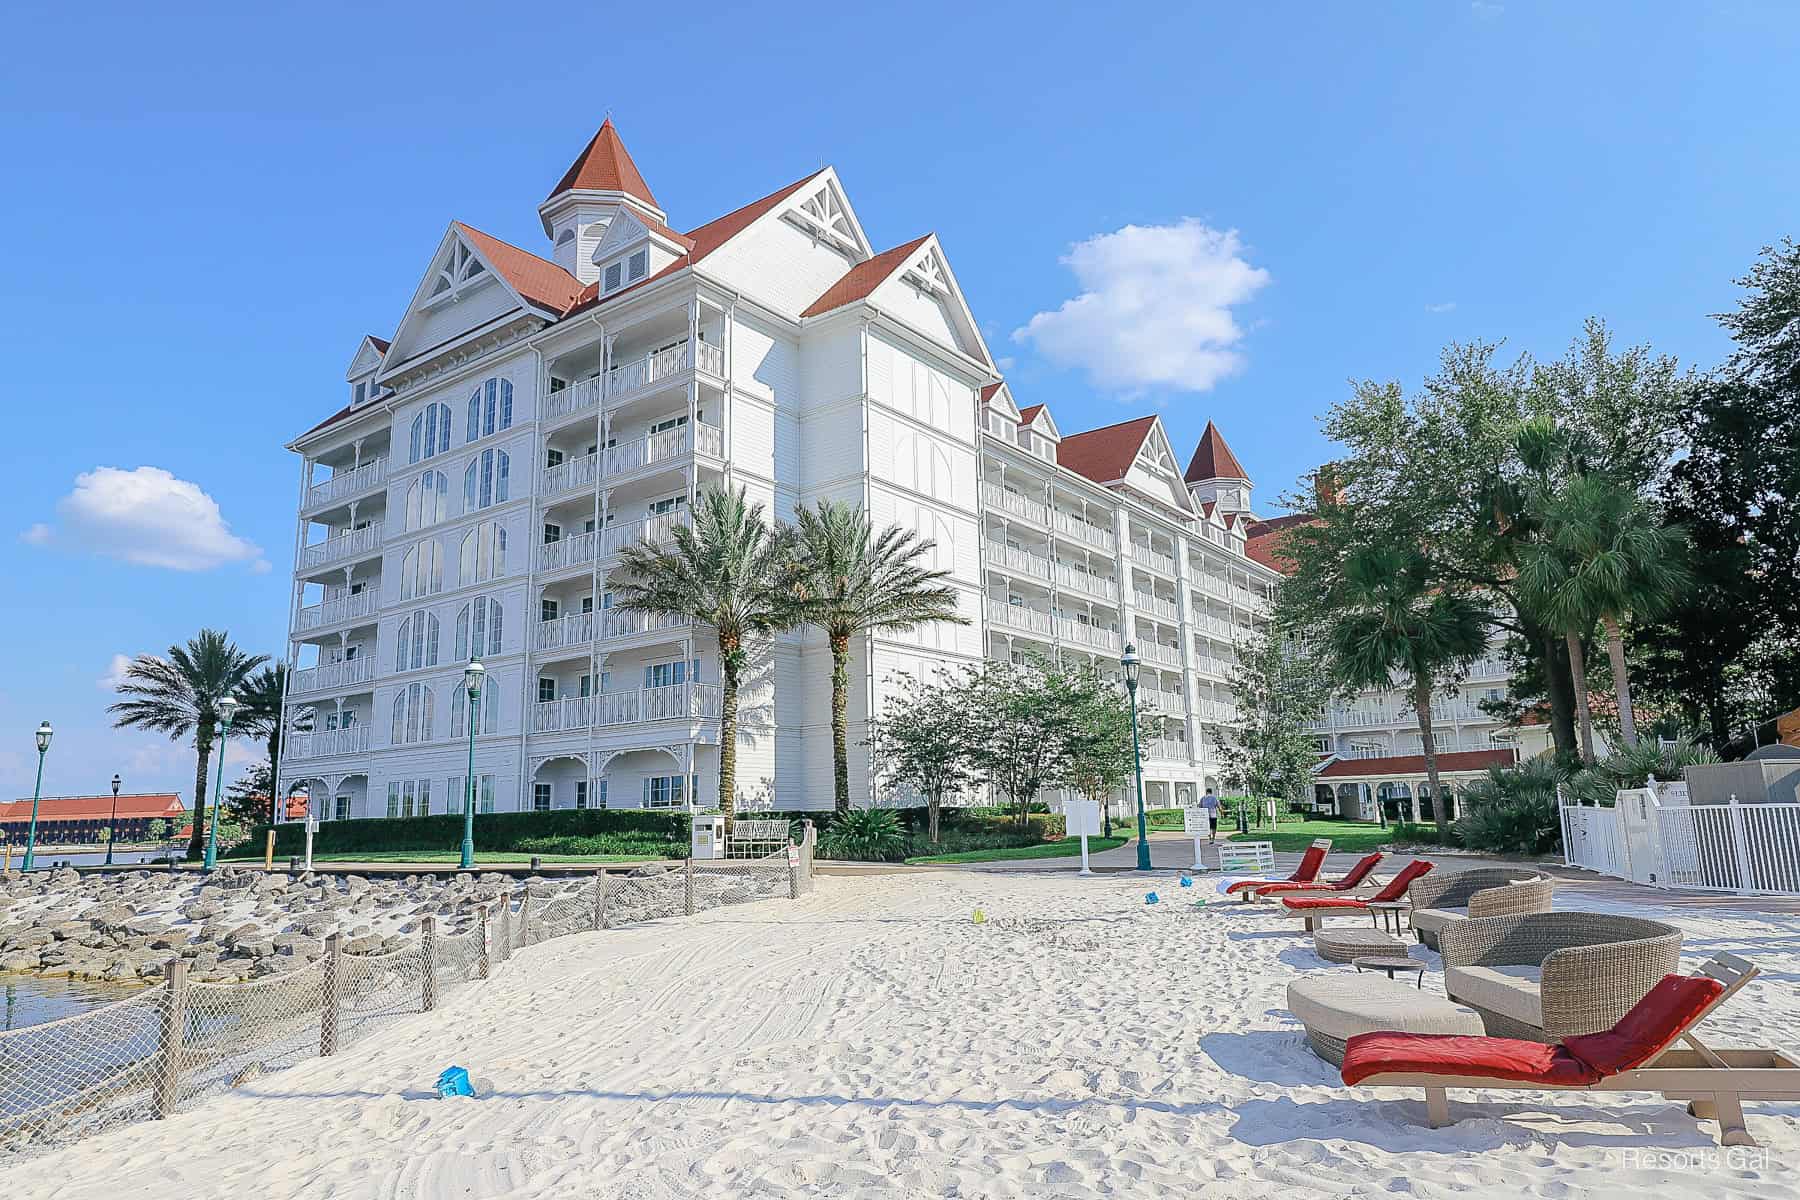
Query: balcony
[1155,606]
[680,702]
[1156,560]
[1012,560]
[1017,616]
[1161,655]
[556,716]
[1212,585]
[997,497]
[649,529]
[1168,749]
[571,551]
[1075,579]
[1087,532]
[576,629]
[346,485]
[357,543]
[1489,668]
[644,372]
[327,744]
[334,675]
[1222,712]
[658,449]
[1362,718]
[335,610]
[1206,664]
[1163,703]
[576,398]
[619,622]
[569,475]
[1217,627]
[1071,630]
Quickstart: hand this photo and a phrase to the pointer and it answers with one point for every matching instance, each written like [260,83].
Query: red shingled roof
[1213,459]
[539,280]
[604,166]
[988,390]
[381,344]
[1104,454]
[1414,764]
[1027,415]
[88,808]
[1263,540]
[856,283]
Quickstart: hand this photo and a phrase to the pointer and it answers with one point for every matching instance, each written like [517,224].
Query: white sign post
[1196,826]
[1082,818]
[312,827]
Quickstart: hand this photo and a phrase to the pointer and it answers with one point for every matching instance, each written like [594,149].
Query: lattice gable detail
[457,270]
[824,213]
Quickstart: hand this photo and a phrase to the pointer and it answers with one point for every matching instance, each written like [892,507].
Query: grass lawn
[482,859]
[1347,837]
[1063,849]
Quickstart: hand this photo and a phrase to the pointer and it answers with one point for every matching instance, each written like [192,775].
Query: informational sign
[793,855]
[1193,821]
[1081,818]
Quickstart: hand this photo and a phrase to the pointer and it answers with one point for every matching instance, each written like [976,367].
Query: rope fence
[172,1046]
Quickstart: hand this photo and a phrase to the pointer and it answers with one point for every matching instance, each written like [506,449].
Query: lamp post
[44,733]
[473,674]
[1130,664]
[112,826]
[227,709]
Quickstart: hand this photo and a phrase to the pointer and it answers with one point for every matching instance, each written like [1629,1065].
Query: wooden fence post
[334,976]
[690,887]
[427,968]
[484,963]
[504,941]
[525,917]
[793,866]
[174,1029]
[600,900]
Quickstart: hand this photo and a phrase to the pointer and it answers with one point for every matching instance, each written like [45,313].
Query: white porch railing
[337,674]
[571,551]
[1018,616]
[577,397]
[568,475]
[1730,847]
[996,496]
[575,629]
[1085,531]
[619,622]
[1069,576]
[355,543]
[1156,560]
[649,529]
[338,608]
[1155,606]
[682,701]
[1015,561]
[327,743]
[349,483]
[1071,630]
[553,716]
[670,445]
[712,360]
[645,370]
[1213,626]
[1156,652]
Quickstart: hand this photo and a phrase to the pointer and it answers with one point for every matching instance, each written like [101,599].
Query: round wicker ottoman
[1341,944]
[1335,1007]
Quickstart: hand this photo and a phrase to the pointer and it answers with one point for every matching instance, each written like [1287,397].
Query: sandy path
[871,1040]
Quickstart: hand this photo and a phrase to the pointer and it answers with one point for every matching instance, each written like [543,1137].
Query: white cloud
[115,673]
[37,535]
[1155,308]
[1446,306]
[150,518]
[1004,362]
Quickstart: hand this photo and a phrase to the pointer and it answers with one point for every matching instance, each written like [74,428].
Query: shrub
[1513,810]
[864,835]
[1408,833]
[1635,768]
[623,831]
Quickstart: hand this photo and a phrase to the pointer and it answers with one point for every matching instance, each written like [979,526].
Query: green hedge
[601,831]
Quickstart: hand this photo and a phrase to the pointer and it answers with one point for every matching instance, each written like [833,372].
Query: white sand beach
[871,1040]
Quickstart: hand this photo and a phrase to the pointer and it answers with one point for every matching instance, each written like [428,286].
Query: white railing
[1206,664]
[1356,718]
[666,446]
[641,372]
[995,496]
[1069,576]
[1213,626]
[1246,598]
[1156,560]
[619,622]
[1072,630]
[1169,748]
[679,702]
[338,608]
[1489,668]
[354,740]
[569,552]
[1222,712]
[1021,562]
[648,529]
[1212,585]
[337,674]
[569,474]
[1729,847]
[574,629]
[356,542]
[1156,652]
[553,716]
[577,397]
[346,484]
[1018,616]
[1085,531]
[712,361]
[1155,606]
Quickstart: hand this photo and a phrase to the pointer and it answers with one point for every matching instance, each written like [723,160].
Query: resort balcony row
[580,629]
[585,547]
[354,543]
[326,744]
[348,485]
[336,610]
[671,447]
[1043,515]
[1051,625]
[678,702]
[1358,718]
[1024,564]
[631,377]
[1443,746]
[333,675]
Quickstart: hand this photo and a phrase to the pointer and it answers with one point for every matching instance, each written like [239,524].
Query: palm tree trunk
[1561,689]
[1583,714]
[728,714]
[840,703]
[1615,650]
[1428,744]
[277,803]
[203,739]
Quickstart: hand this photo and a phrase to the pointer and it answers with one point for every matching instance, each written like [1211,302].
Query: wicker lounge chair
[1548,976]
[1306,872]
[1355,877]
[1449,897]
[1636,1055]
[1316,908]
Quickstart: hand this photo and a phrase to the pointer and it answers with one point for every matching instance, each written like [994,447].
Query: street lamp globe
[473,674]
[1130,663]
[44,733]
[228,708]
[116,782]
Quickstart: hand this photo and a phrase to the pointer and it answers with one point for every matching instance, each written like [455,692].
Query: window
[546,690]
[484,793]
[412,715]
[478,628]
[409,798]
[581,793]
[430,433]
[487,714]
[422,571]
[485,480]
[362,393]
[548,609]
[552,534]
[490,409]
[417,642]
[483,554]
[603,793]
[665,791]
[540,797]
[565,237]
[667,504]
[553,457]
[342,805]
[669,674]
[667,423]
[613,273]
[637,265]
[427,500]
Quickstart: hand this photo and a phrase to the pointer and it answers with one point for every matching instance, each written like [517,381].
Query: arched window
[430,433]
[490,409]
[422,571]
[485,480]
[412,715]
[478,628]
[427,500]
[483,554]
[487,717]
[418,642]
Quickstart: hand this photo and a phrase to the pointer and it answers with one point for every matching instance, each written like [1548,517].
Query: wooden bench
[754,839]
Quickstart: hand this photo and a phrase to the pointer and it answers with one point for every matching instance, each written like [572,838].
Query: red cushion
[1244,885]
[1310,863]
[1275,889]
[1299,903]
[1397,886]
[1359,872]
[1653,1022]
[1369,1054]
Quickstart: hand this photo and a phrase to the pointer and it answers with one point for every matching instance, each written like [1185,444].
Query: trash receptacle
[709,836]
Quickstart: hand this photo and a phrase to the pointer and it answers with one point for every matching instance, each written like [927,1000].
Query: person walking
[1210,803]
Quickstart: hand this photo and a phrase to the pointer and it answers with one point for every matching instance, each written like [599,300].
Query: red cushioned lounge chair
[1351,879]
[1316,908]
[1636,1055]
[1306,872]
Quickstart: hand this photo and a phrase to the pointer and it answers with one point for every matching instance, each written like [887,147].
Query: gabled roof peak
[604,166]
[1213,459]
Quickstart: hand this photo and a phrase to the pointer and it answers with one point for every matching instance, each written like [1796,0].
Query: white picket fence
[1660,840]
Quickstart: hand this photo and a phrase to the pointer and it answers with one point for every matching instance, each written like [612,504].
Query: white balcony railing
[1156,560]
[1085,531]
[649,529]
[331,675]
[356,543]
[1016,561]
[1213,626]
[1069,576]
[619,622]
[1357,718]
[639,373]
[569,475]
[1223,712]
[1155,606]
[328,743]
[712,361]
[345,484]
[576,398]
[670,446]
[1172,749]
[1071,630]
[571,551]
[995,496]
[338,608]
[1017,616]
[680,702]
[1161,655]
[576,629]
[553,716]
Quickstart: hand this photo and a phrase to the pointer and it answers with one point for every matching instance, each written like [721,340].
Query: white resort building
[532,415]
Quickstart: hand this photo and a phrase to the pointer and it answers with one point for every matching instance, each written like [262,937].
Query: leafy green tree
[921,741]
[1101,752]
[730,570]
[1022,728]
[262,696]
[1281,687]
[853,581]
[179,695]
[247,797]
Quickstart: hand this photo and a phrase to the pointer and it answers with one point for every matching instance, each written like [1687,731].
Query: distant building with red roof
[84,820]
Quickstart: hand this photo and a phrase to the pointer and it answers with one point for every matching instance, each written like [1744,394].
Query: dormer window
[613,273]
[568,235]
[360,394]
[637,265]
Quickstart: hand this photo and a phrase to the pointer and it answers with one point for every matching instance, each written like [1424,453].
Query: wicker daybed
[1447,897]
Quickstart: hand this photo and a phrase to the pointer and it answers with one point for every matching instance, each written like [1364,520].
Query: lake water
[34,999]
[95,858]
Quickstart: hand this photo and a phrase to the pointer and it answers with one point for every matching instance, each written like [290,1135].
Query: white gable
[924,294]
[821,209]
[1154,472]
[368,357]
[460,292]
[1043,423]
[1002,402]
[622,233]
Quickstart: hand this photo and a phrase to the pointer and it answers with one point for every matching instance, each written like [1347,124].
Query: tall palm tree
[731,570]
[1392,617]
[179,694]
[853,581]
[262,696]
[1606,556]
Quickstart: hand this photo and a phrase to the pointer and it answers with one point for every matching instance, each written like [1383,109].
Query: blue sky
[208,205]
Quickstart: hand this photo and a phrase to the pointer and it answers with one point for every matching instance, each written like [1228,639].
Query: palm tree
[731,570]
[1606,556]
[262,696]
[179,694]
[852,582]
[1392,617]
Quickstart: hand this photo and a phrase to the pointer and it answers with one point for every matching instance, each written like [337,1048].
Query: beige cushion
[1431,920]
[1511,991]
[1344,1004]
